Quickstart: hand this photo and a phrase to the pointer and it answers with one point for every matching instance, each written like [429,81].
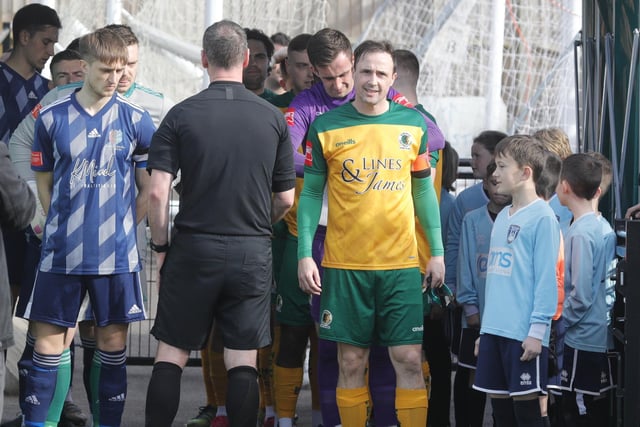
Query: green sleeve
[309,208]
[428,212]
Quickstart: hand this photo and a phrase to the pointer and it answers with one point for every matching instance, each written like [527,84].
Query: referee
[236,162]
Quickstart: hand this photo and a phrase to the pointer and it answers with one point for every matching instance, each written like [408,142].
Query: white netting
[156,23]
[517,78]
[454,42]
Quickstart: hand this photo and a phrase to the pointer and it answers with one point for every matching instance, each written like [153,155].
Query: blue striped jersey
[521,287]
[18,97]
[90,227]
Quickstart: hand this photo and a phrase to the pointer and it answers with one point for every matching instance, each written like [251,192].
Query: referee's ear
[203,59]
[245,62]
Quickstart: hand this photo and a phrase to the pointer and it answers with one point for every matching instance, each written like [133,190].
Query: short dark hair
[583,173]
[450,161]
[548,180]
[372,46]
[33,18]
[607,171]
[299,43]
[65,55]
[225,44]
[255,34]
[280,38]
[408,62]
[325,46]
[489,139]
[525,150]
[74,44]
[125,32]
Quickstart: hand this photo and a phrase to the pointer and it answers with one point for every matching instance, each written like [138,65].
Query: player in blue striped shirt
[89,155]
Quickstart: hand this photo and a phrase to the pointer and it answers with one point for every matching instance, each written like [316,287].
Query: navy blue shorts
[57,298]
[500,371]
[586,372]
[206,277]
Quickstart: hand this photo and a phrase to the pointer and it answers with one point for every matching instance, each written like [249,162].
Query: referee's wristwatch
[159,248]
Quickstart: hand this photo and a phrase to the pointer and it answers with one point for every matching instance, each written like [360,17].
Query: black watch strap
[159,248]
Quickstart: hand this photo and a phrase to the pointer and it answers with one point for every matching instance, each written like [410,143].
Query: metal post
[494,85]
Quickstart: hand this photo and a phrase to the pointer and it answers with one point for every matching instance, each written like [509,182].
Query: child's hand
[476,348]
[532,348]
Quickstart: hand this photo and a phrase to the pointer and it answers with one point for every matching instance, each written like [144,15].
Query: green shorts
[365,307]
[292,304]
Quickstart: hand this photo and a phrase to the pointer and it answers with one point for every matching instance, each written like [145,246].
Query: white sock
[222,411]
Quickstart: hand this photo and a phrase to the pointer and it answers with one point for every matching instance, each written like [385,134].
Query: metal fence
[141,347]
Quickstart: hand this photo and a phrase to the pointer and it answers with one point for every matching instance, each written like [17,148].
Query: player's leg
[54,306]
[399,325]
[192,276]
[382,386]
[218,375]
[347,317]
[293,315]
[437,351]
[116,301]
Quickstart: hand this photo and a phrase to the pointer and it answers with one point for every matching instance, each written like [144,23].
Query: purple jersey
[312,102]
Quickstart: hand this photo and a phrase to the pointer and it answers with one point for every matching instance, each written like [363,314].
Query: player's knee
[293,344]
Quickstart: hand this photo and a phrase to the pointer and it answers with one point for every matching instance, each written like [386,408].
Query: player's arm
[298,119]
[20,145]
[467,293]
[309,209]
[42,162]
[545,294]
[142,198]
[284,176]
[427,210]
[145,129]
[580,293]
[44,184]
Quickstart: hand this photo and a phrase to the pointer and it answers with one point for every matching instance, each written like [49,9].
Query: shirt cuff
[538,330]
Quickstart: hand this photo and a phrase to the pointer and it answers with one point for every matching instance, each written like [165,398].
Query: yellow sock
[218,377]
[426,373]
[353,406]
[411,407]
[288,382]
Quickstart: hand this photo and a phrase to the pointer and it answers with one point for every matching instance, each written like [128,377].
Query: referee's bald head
[225,44]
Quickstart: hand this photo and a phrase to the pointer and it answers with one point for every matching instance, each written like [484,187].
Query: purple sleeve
[299,116]
[436,138]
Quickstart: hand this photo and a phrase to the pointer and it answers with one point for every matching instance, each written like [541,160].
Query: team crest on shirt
[512,233]
[406,140]
[115,137]
[325,319]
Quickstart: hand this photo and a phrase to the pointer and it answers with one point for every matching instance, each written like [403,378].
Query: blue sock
[108,386]
[40,386]
[24,366]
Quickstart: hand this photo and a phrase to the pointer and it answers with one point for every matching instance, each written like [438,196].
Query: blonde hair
[103,45]
[555,140]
